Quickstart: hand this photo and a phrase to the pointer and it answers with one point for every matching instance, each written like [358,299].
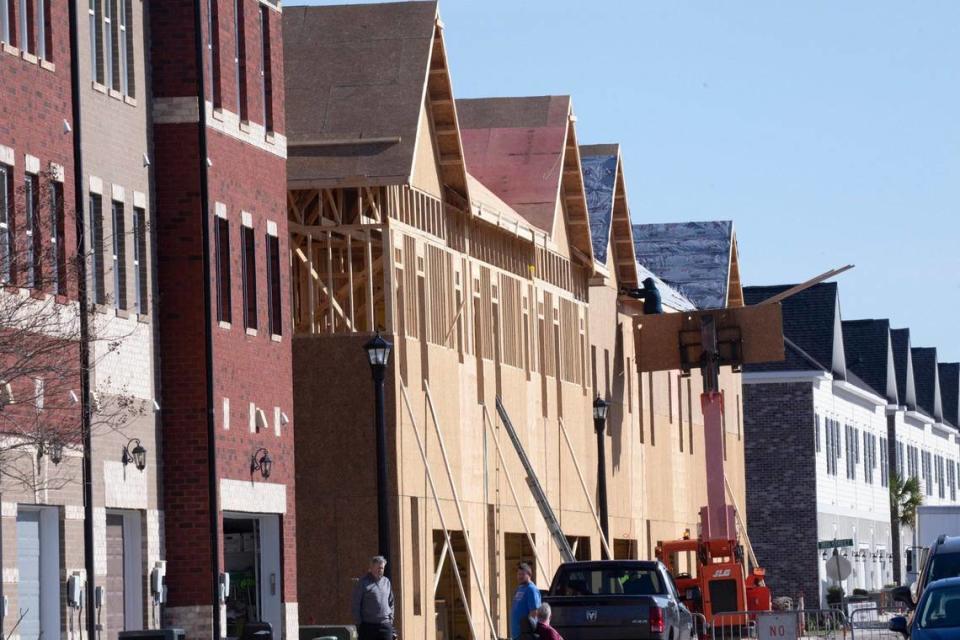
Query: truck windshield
[942,609]
[944,565]
[594,582]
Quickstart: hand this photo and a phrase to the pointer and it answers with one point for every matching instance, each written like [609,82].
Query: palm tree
[905,497]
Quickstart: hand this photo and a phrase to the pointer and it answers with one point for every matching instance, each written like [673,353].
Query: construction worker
[650,296]
[373,603]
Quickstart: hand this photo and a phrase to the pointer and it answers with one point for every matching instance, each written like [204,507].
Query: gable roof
[903,361]
[610,224]
[811,322]
[525,151]
[697,258]
[950,391]
[927,380]
[869,355]
[356,79]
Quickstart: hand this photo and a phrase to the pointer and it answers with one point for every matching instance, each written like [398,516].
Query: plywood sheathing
[525,151]
[354,119]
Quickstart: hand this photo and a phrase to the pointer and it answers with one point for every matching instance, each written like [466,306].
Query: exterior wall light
[55,449]
[135,454]
[261,460]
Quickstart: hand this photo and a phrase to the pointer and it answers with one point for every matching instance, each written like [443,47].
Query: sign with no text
[776,626]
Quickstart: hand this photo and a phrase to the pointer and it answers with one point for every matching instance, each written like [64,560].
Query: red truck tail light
[657,623]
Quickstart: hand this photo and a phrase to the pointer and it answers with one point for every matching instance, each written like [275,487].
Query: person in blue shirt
[526,601]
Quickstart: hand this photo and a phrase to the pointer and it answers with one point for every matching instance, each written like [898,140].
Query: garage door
[28,563]
[115,592]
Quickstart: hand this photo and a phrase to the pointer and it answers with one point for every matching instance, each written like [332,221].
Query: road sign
[776,626]
[838,568]
[833,544]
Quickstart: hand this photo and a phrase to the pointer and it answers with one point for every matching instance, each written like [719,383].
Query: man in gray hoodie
[373,603]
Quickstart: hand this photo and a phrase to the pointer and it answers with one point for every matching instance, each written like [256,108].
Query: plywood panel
[657,337]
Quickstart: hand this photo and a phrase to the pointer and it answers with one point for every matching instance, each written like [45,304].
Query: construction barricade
[825,624]
[870,623]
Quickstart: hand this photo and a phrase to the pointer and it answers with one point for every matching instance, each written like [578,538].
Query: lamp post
[599,425]
[378,354]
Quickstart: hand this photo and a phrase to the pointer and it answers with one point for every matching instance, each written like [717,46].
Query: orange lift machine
[726,581]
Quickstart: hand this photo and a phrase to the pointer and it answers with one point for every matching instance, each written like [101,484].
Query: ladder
[538,494]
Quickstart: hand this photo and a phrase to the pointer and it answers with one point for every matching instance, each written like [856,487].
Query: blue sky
[828,131]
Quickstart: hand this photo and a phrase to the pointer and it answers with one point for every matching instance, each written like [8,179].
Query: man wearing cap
[526,601]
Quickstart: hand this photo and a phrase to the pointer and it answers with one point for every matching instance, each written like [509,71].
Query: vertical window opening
[40,19]
[58,269]
[119,257]
[240,59]
[140,260]
[5,21]
[213,49]
[273,276]
[108,40]
[34,251]
[222,240]
[6,227]
[266,81]
[124,63]
[96,248]
[248,243]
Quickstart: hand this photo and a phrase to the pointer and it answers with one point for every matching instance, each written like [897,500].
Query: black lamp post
[599,425]
[378,353]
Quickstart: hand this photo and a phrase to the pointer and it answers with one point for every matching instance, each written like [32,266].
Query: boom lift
[726,580]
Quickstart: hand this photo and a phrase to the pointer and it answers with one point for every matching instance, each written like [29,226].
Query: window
[96,41]
[266,81]
[24,12]
[119,257]
[40,18]
[140,260]
[34,251]
[58,266]
[249,277]
[108,42]
[816,430]
[5,21]
[124,47]
[240,59]
[213,48]
[6,226]
[884,463]
[222,242]
[98,288]
[833,445]
[273,282]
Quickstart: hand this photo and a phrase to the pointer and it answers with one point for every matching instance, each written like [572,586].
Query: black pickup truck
[622,599]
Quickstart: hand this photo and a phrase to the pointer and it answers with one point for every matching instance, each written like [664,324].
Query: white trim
[118,193]
[139,200]
[243,496]
[226,414]
[253,417]
[7,156]
[768,377]
[276,421]
[252,133]
[31,164]
[96,186]
[246,219]
[852,389]
[220,210]
[272,228]
[56,172]
[919,417]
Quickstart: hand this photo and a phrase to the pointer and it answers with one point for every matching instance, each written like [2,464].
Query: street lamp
[599,425]
[378,354]
[136,455]
[261,460]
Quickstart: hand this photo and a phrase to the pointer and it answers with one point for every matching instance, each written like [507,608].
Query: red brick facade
[246,181]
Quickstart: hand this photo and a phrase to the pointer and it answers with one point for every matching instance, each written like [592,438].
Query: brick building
[41,515]
[825,429]
[220,164]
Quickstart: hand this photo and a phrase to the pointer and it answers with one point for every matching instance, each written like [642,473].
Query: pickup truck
[622,599]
